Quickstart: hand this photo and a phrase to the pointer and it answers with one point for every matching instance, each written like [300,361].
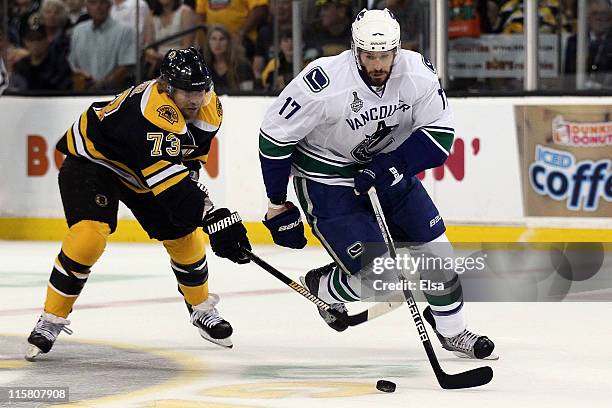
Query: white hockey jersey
[330,123]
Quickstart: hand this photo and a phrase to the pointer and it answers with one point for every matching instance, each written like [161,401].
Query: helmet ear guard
[185,69]
[374,31]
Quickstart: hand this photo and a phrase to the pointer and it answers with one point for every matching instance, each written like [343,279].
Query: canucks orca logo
[357,103]
[364,151]
[316,79]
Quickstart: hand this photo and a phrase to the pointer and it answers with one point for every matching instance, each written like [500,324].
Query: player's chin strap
[379,309]
[472,378]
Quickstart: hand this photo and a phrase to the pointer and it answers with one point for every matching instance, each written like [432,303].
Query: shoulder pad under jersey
[159,109]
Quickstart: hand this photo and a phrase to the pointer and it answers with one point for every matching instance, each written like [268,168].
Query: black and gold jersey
[142,137]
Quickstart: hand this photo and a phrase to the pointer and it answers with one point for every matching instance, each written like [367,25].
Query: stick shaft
[472,378]
[414,310]
[288,281]
[379,309]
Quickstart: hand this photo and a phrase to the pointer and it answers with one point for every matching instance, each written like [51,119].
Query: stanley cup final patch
[357,103]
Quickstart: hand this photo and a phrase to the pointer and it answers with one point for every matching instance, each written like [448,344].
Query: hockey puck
[385,386]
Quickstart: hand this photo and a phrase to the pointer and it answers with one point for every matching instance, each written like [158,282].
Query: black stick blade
[468,379]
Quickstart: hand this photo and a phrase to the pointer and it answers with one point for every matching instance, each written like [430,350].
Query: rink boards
[487,190]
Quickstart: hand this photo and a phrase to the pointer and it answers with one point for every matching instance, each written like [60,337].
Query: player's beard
[378,77]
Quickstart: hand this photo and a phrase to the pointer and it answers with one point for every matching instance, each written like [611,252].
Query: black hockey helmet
[185,69]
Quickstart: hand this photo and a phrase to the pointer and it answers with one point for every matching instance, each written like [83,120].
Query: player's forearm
[421,151]
[276,177]
[275,158]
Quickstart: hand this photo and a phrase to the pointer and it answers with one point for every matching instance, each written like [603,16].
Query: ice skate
[211,326]
[44,334]
[466,344]
[311,281]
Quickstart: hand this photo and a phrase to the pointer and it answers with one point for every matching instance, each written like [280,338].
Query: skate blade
[492,356]
[32,352]
[226,342]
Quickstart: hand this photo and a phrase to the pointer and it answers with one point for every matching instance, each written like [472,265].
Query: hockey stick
[375,311]
[472,378]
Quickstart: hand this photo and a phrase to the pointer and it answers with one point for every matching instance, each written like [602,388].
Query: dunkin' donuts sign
[566,159]
[569,133]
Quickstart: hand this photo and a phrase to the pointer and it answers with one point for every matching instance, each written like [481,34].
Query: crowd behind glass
[93,45]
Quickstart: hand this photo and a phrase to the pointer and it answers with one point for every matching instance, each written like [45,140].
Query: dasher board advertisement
[566,156]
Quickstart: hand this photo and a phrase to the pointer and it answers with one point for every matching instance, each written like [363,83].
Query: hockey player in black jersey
[140,149]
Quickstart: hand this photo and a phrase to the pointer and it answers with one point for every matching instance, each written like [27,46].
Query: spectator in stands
[569,10]
[240,17]
[102,50]
[284,62]
[40,70]
[490,20]
[230,71]
[76,12]
[411,16]
[10,53]
[54,18]
[512,17]
[18,22]
[331,34]
[168,17]
[124,11]
[264,45]
[599,58]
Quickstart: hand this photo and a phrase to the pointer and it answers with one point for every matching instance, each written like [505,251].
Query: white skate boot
[45,333]
[211,326]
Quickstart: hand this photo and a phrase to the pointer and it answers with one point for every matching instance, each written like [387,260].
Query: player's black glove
[383,172]
[194,167]
[287,228]
[227,234]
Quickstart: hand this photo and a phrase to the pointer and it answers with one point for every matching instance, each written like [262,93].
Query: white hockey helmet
[375,31]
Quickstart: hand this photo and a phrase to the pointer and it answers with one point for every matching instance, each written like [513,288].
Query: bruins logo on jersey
[219,108]
[168,113]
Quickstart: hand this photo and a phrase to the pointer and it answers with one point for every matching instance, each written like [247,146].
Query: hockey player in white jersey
[371,116]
